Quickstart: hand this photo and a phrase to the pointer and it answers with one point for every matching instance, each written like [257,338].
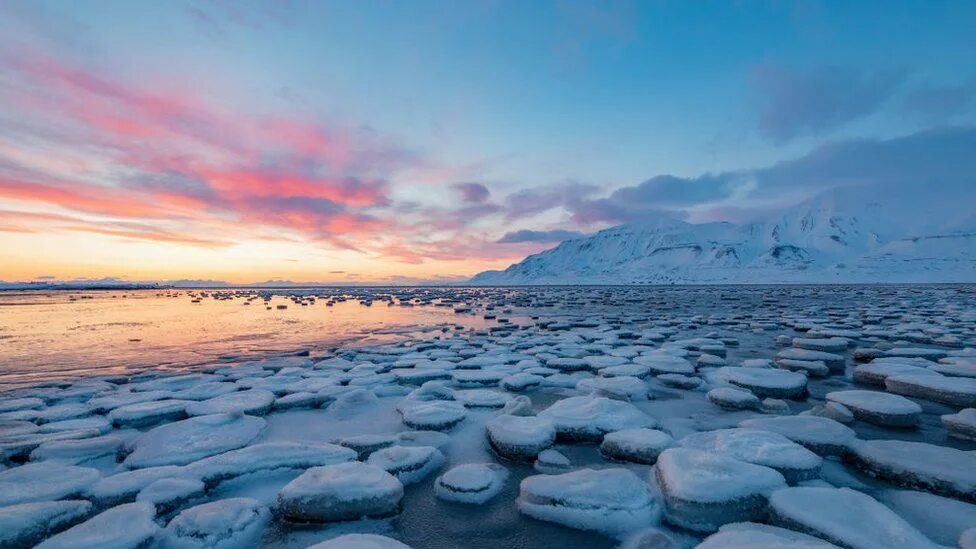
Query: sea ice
[347,491]
[222,524]
[126,526]
[474,483]
[879,408]
[608,500]
[589,418]
[186,441]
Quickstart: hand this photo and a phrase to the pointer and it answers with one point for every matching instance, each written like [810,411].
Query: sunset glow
[252,141]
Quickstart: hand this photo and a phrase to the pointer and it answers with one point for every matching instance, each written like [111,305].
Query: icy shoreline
[600,415]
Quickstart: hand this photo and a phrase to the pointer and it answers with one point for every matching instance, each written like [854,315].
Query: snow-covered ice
[608,500]
[474,483]
[347,491]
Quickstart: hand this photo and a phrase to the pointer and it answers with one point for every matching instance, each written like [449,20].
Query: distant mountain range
[856,235]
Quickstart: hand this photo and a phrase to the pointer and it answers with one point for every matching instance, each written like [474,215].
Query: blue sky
[551,107]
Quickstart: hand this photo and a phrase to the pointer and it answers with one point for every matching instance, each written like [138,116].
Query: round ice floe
[632,370]
[206,391]
[845,517]
[878,408]
[360,541]
[702,490]
[77,451]
[148,413]
[621,388]
[765,382]
[665,363]
[123,487]
[15,404]
[347,491]
[731,398]
[767,448]
[477,378]
[954,391]
[551,462]
[423,438]
[96,423]
[751,535]
[961,425]
[185,441]
[129,525]
[266,457]
[26,524]
[474,483]
[918,465]
[589,418]
[44,481]
[679,381]
[520,437]
[876,372]
[637,445]
[364,445]
[438,415]
[482,398]
[168,494]
[117,399]
[409,464]
[567,364]
[520,405]
[819,434]
[812,368]
[833,361]
[254,402]
[221,524]
[520,382]
[607,500]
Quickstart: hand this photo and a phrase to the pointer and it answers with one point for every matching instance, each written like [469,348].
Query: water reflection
[50,335]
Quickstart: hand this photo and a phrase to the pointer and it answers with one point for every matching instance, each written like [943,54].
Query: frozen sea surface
[106,402]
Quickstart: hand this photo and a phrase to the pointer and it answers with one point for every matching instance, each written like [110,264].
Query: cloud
[938,160]
[815,101]
[472,192]
[942,102]
[528,202]
[527,235]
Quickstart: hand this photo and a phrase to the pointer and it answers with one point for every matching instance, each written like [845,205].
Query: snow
[437,415]
[253,401]
[765,382]
[347,491]
[95,423]
[167,494]
[636,445]
[880,408]
[876,372]
[621,388]
[767,448]
[123,487]
[222,524]
[186,441]
[919,465]
[360,541]
[551,462]
[44,481]
[589,418]
[77,451]
[941,519]
[731,398]
[751,535]
[409,464]
[702,491]
[962,424]
[123,527]
[665,363]
[148,413]
[842,235]
[520,437]
[954,391]
[819,434]
[845,517]
[473,483]
[26,524]
[607,500]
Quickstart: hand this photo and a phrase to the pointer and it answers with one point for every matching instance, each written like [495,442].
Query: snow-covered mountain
[845,235]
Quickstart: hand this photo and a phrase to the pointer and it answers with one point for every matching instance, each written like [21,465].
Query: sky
[401,142]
